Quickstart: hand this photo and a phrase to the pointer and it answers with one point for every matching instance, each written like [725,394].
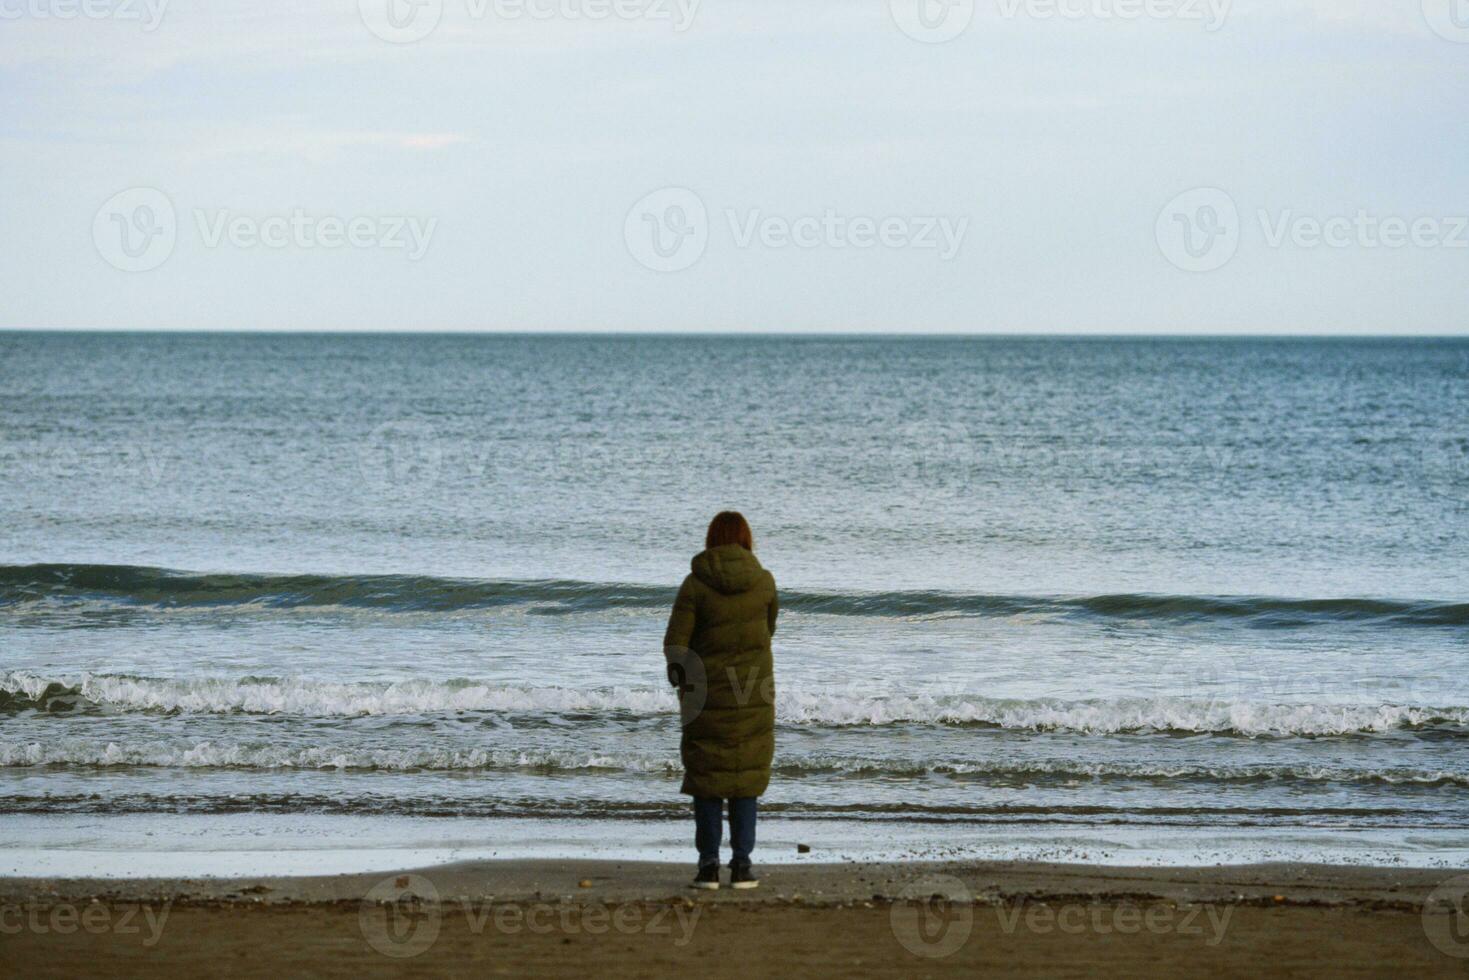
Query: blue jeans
[709,828]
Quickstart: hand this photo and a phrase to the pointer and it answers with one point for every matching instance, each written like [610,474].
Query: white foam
[795,705]
[1117,715]
[180,754]
[327,699]
[208,754]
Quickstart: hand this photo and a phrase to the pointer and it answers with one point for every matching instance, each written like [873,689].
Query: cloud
[530,140]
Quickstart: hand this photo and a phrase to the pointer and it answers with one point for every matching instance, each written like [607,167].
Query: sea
[317,602]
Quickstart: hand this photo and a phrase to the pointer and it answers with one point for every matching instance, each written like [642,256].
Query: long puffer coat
[719,635]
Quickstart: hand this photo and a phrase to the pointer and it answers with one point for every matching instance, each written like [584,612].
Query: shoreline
[196,845]
[520,879]
[628,918]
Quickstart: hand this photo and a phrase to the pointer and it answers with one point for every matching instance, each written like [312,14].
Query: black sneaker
[742,876]
[708,877]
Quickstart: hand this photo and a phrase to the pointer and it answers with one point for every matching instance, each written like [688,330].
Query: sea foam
[795,705]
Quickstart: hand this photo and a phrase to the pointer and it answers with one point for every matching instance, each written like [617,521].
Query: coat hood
[728,569]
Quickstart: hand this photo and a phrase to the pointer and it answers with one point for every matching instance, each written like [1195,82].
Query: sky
[933,166]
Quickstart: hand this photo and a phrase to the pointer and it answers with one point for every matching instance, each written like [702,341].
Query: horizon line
[834,334]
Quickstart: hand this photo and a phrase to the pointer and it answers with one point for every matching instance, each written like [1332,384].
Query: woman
[718,652]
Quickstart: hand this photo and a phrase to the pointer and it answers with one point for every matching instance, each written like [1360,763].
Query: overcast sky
[1180,166]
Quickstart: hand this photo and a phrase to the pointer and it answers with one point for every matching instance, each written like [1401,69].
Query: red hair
[729,527]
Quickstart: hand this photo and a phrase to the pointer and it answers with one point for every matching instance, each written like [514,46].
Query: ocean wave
[1117,716]
[20,690]
[122,587]
[306,697]
[458,806]
[218,755]
[98,753]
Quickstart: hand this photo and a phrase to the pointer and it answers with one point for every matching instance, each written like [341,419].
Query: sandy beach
[563,918]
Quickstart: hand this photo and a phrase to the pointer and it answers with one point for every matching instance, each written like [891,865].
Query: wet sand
[604,918]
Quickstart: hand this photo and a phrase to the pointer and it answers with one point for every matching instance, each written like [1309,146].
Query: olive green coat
[719,633]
